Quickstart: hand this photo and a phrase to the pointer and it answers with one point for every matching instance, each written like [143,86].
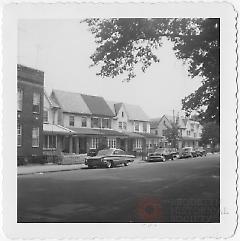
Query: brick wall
[26,117]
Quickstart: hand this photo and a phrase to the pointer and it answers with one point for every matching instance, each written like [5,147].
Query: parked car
[174,152]
[92,152]
[155,157]
[200,151]
[188,152]
[109,158]
[166,152]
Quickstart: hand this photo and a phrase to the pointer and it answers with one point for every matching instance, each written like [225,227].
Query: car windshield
[105,152]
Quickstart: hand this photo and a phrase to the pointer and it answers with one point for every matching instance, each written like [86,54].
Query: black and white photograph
[118,118]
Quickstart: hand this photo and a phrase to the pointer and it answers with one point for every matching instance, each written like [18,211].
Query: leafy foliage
[172,134]
[124,43]
[210,134]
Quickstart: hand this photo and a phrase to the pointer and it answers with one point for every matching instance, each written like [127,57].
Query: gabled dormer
[50,110]
[121,117]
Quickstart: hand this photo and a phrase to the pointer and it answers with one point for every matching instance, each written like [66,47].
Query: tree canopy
[172,134]
[124,43]
[210,134]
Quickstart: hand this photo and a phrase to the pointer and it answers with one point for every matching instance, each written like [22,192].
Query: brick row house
[30,89]
[190,131]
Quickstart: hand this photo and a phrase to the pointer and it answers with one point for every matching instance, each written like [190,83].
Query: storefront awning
[49,128]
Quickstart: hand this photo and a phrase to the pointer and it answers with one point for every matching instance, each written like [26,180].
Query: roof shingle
[70,102]
[97,105]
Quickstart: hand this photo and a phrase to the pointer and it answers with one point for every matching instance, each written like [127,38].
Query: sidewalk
[32,169]
[38,168]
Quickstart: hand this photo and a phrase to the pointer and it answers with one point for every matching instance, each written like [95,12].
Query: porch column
[77,144]
[126,145]
[70,144]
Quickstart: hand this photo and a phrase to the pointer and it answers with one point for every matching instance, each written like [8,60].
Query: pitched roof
[50,100]
[56,129]
[135,112]
[111,105]
[171,118]
[117,107]
[97,105]
[154,122]
[70,102]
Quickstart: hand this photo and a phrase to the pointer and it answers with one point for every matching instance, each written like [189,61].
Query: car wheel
[125,164]
[108,164]
[164,159]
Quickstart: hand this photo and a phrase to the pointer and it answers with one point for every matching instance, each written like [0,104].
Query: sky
[62,49]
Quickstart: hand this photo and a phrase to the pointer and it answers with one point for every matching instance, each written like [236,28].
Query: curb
[39,172]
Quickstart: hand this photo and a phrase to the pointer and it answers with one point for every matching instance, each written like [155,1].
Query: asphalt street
[183,190]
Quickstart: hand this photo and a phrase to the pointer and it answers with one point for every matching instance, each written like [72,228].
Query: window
[50,142]
[36,103]
[156,132]
[71,120]
[125,125]
[122,114]
[136,126]
[138,143]
[95,122]
[20,100]
[19,135]
[106,123]
[144,127]
[84,121]
[35,137]
[120,125]
[119,152]
[111,142]
[94,143]
[188,133]
[45,116]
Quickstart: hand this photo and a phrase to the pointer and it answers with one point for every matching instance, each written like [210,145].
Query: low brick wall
[68,159]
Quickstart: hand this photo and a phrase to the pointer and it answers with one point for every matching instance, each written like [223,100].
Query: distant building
[190,131]
[30,85]
[158,127]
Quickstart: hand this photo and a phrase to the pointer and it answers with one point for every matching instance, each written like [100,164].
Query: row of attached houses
[78,122]
[66,122]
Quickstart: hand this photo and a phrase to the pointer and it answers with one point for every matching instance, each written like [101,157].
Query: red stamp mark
[149,209]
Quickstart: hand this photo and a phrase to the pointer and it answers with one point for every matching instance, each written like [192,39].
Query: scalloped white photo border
[228,104]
